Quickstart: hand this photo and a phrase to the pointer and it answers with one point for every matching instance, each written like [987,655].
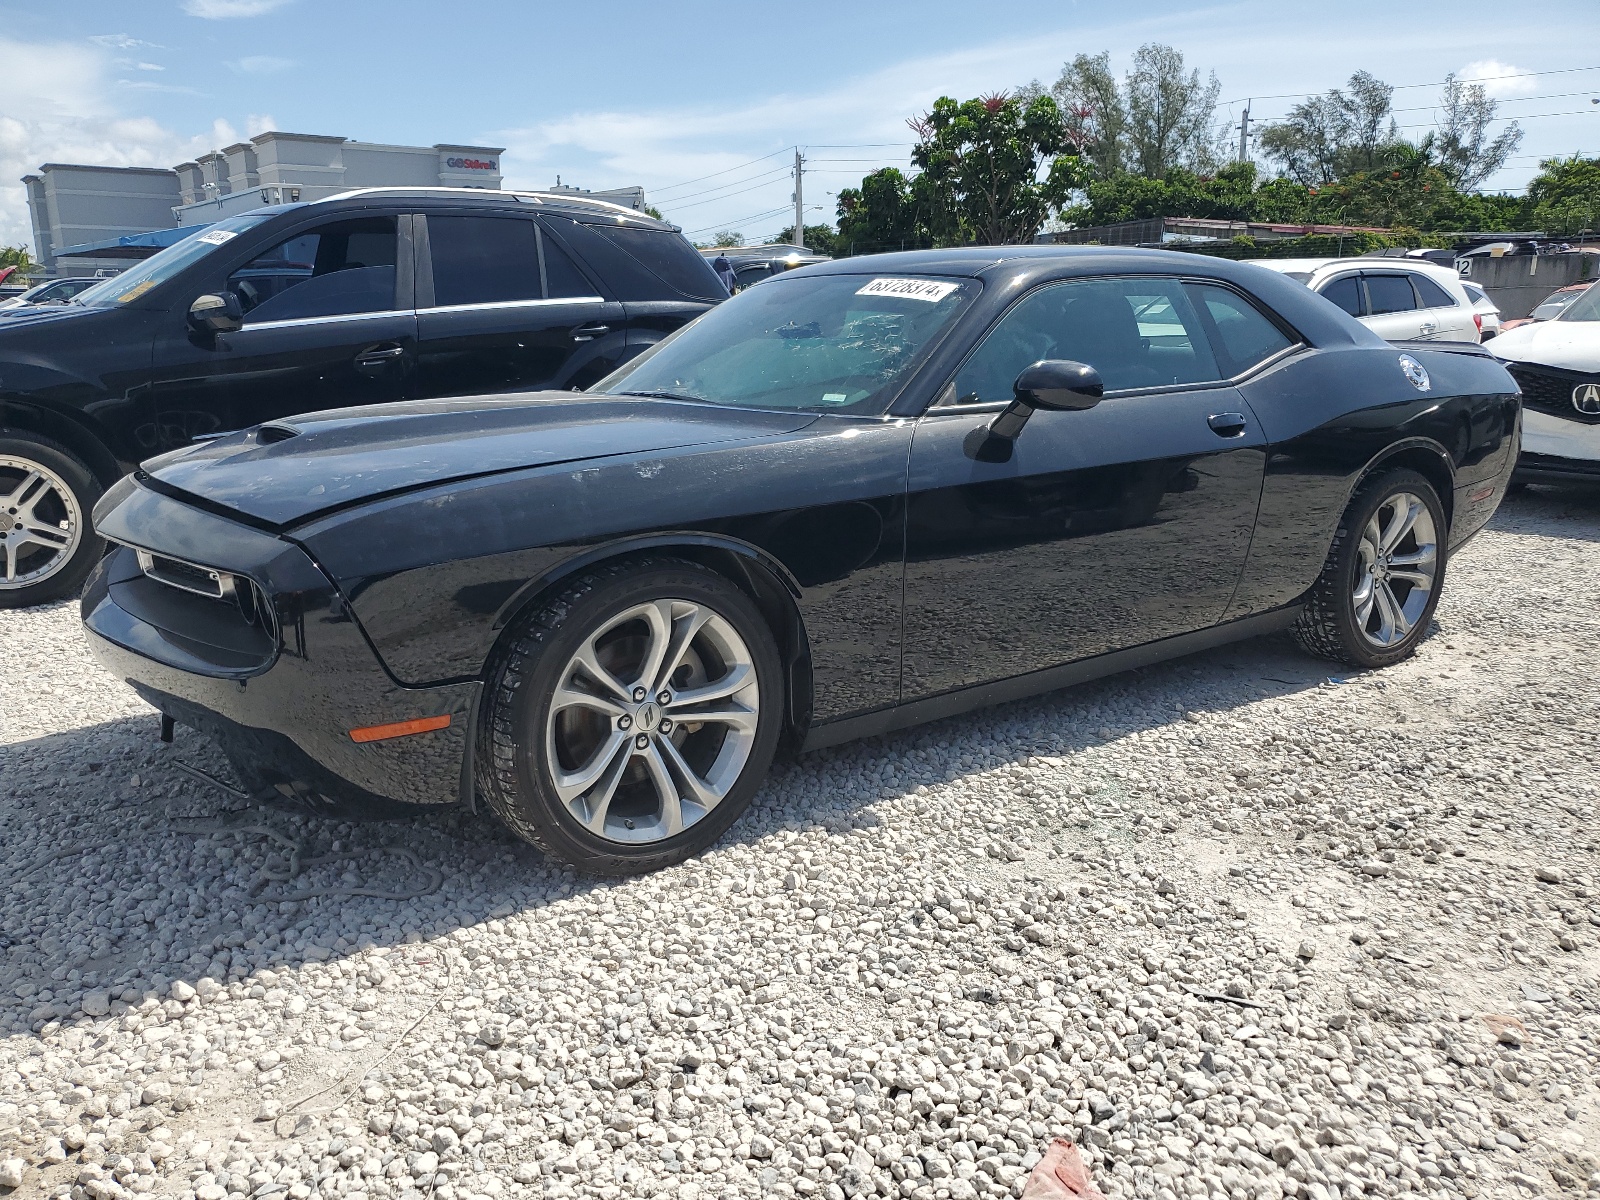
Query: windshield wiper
[667,396]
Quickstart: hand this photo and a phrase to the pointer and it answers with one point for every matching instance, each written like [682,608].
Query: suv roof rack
[535,197]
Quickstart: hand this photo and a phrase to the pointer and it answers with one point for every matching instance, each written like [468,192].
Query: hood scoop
[269,435]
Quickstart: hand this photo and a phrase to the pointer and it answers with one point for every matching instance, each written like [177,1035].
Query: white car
[1488,312]
[1398,299]
[1556,363]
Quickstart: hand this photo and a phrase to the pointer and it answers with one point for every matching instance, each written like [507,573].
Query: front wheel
[47,545]
[632,718]
[1375,597]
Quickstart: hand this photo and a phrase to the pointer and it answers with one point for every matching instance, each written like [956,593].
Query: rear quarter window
[1433,296]
[643,264]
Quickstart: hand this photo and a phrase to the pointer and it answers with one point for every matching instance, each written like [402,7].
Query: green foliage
[993,168]
[1159,118]
[1228,195]
[820,239]
[1565,195]
[650,210]
[887,212]
[18,257]
[727,237]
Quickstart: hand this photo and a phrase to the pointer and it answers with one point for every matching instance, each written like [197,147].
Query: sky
[702,102]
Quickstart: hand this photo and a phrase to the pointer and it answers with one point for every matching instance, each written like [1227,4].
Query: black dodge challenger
[870,493]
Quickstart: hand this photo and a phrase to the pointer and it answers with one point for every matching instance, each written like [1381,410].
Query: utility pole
[1244,134]
[799,201]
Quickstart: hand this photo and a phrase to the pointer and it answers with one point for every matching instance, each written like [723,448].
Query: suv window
[326,271]
[669,258]
[483,260]
[1244,335]
[1346,293]
[1389,294]
[1433,296]
[561,275]
[1136,332]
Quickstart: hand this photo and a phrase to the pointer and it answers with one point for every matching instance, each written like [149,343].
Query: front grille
[239,594]
[1549,390]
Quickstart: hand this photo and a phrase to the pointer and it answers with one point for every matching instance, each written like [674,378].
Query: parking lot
[1241,925]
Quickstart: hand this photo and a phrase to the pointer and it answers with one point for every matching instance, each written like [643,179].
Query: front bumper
[1556,450]
[279,703]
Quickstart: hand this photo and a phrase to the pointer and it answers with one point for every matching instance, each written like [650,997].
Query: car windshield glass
[823,342]
[1585,308]
[156,270]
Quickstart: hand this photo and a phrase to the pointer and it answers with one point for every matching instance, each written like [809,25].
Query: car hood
[19,315]
[290,470]
[1569,345]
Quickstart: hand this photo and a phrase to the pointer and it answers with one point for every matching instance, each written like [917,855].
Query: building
[79,212]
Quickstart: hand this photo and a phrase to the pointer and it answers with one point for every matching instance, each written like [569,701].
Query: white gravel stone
[1232,926]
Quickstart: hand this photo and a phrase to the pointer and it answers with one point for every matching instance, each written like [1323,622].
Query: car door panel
[1106,528]
[337,334]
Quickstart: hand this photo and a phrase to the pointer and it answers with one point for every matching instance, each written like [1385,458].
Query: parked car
[366,297]
[866,494]
[752,264]
[1557,365]
[1488,311]
[54,291]
[1551,307]
[1399,299]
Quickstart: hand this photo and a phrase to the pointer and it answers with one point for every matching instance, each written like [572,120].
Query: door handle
[1429,328]
[379,356]
[587,333]
[1226,424]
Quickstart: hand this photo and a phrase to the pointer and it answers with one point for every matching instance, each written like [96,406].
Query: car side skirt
[1000,691]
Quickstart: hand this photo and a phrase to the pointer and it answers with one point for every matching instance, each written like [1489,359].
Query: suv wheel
[632,718]
[1375,597]
[47,544]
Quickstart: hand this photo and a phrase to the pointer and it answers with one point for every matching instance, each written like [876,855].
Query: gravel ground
[1238,928]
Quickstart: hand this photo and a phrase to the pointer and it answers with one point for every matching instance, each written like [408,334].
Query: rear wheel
[632,718]
[47,544]
[1376,595]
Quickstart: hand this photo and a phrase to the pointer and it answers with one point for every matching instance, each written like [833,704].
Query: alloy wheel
[41,522]
[652,721]
[1397,563]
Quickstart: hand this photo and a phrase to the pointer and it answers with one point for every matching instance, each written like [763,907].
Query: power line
[1440,83]
[685,183]
[765,175]
[727,196]
[728,224]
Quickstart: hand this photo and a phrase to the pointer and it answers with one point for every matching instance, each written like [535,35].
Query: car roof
[425,198]
[977,261]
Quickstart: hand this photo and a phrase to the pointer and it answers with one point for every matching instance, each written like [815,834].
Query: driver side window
[1137,332]
[330,270]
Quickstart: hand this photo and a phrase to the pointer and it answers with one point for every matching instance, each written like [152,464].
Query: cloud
[262,64]
[144,66]
[121,41]
[222,10]
[64,104]
[1498,78]
[259,123]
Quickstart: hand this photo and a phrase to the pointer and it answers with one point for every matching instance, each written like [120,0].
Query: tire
[47,540]
[1366,608]
[598,776]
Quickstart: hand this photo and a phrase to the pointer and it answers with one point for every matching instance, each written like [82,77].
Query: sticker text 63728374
[931,290]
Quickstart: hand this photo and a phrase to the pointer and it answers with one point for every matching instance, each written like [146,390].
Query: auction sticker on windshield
[930,290]
[217,236]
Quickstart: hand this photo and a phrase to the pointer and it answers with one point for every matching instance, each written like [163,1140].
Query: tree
[727,237]
[1331,136]
[1565,195]
[650,210]
[885,213]
[1171,117]
[18,257]
[1465,153]
[994,169]
[819,238]
[1093,112]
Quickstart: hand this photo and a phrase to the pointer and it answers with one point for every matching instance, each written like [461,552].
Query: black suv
[369,296]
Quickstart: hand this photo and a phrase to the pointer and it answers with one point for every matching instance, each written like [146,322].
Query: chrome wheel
[652,721]
[1396,565]
[41,522]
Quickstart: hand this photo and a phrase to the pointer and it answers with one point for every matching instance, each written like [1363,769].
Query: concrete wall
[72,204]
[1518,283]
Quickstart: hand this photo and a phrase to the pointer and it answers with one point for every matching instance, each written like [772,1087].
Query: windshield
[1585,308]
[823,342]
[160,267]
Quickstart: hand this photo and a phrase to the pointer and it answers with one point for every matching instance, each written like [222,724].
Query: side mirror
[1056,384]
[214,314]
